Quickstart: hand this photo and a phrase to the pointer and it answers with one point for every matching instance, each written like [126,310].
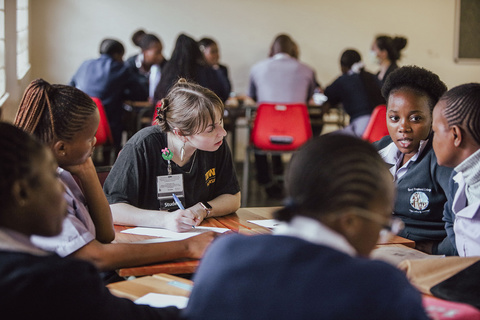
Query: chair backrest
[377,126]
[281,127]
[104,134]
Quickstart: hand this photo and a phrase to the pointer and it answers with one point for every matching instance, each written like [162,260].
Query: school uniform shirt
[78,228]
[281,79]
[466,216]
[421,188]
[306,271]
[148,80]
[133,178]
[35,284]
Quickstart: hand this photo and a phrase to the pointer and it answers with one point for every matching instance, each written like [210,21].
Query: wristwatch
[205,205]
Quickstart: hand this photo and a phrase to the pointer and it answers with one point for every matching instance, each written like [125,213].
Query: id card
[166,185]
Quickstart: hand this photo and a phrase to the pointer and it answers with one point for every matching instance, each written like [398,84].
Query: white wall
[66,32]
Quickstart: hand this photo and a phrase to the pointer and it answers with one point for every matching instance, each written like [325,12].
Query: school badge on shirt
[419,199]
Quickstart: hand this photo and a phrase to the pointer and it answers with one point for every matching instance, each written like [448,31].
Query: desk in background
[237,222]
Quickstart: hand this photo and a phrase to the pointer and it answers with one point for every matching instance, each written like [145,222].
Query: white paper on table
[160,300]
[167,235]
[267,223]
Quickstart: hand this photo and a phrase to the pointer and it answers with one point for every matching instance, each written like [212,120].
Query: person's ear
[348,225]
[457,135]
[180,134]
[20,192]
[59,149]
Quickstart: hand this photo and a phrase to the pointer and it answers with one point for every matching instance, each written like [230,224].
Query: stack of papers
[160,300]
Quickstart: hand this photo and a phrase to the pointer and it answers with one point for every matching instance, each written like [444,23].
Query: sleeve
[334,93]
[227,177]
[449,216]
[82,295]
[124,181]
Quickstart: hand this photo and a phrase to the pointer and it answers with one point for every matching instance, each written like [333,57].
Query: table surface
[237,222]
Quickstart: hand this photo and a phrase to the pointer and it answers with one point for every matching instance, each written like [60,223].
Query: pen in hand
[179,203]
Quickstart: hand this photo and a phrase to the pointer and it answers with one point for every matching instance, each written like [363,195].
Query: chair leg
[246,174]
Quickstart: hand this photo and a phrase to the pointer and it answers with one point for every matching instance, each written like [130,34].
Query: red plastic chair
[377,126]
[104,135]
[277,129]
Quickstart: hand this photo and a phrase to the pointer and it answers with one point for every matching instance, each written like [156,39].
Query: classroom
[57,36]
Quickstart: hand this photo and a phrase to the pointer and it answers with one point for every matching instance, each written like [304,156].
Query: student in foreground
[66,120]
[33,282]
[456,141]
[340,196]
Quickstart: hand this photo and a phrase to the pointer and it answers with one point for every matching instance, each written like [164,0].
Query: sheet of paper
[168,235]
[396,254]
[160,300]
[267,223]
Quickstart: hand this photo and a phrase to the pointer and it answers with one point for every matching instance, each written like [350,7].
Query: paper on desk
[160,300]
[167,235]
[267,223]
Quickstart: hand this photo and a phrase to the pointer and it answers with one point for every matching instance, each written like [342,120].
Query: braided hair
[188,107]
[53,111]
[331,173]
[18,151]
[463,108]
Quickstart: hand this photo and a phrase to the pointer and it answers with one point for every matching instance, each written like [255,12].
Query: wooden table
[157,283]
[237,222]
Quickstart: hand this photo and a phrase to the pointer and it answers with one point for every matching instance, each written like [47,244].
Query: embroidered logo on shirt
[419,200]
[210,177]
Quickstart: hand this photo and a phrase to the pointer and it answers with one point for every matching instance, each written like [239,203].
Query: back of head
[188,107]
[18,153]
[349,57]
[205,43]
[111,47]
[137,36]
[284,44]
[53,111]
[332,173]
[148,40]
[463,108]
[393,46]
[418,80]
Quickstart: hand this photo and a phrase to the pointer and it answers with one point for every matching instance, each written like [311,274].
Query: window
[467,31]
[2,52]
[23,61]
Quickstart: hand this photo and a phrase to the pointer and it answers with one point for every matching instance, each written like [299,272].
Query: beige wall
[66,32]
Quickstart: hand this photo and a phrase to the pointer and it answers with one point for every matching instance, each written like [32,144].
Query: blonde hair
[188,107]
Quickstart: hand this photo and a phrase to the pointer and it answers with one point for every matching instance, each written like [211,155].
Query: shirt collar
[314,231]
[281,55]
[393,156]
[11,240]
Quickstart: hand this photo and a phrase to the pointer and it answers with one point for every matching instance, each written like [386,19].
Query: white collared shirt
[467,221]
[391,155]
[18,242]
[314,231]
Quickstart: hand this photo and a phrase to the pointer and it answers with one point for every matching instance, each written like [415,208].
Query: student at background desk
[340,195]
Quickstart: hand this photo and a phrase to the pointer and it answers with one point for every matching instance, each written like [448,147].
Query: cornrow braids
[417,79]
[331,173]
[188,107]
[463,108]
[53,111]
[18,148]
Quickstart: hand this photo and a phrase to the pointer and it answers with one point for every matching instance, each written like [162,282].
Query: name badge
[166,186]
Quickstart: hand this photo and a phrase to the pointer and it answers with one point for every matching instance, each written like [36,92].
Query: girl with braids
[315,265]
[66,120]
[411,93]
[33,282]
[386,51]
[357,90]
[186,152]
[456,123]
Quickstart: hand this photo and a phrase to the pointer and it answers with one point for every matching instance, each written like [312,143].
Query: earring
[182,152]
